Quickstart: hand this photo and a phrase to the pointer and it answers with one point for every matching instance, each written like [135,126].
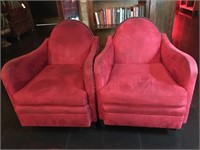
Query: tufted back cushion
[137,40]
[69,43]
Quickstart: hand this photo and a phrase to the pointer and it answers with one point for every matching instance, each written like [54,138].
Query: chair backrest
[69,43]
[137,40]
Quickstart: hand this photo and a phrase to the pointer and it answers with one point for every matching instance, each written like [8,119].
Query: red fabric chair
[54,84]
[142,79]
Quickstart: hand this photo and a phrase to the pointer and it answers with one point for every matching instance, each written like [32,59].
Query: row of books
[110,16]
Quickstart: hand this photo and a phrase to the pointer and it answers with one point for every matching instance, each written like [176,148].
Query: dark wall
[43,9]
[162,13]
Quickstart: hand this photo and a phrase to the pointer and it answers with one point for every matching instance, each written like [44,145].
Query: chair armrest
[18,72]
[103,64]
[89,77]
[181,66]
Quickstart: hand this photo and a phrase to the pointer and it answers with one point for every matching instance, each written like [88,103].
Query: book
[109,16]
[125,11]
[120,13]
[104,17]
[136,11]
[101,17]
[113,16]
[115,9]
[97,18]
[132,13]
[129,10]
[117,15]
[142,10]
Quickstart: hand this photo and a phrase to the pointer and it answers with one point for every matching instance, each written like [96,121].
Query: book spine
[125,11]
[117,15]
[129,12]
[101,17]
[142,13]
[113,16]
[108,19]
[109,16]
[132,13]
[98,13]
[97,18]
[122,14]
[136,11]
[120,20]
[104,17]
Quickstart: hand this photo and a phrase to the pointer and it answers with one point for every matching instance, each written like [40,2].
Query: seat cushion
[54,85]
[142,85]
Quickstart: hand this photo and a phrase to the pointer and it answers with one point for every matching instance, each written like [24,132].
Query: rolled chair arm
[19,71]
[181,66]
[89,77]
[103,64]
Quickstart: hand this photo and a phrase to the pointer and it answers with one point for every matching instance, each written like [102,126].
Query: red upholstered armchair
[54,84]
[142,79]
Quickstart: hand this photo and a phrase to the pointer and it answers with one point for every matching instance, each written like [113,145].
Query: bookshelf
[20,19]
[115,11]
[161,12]
[191,5]
[104,29]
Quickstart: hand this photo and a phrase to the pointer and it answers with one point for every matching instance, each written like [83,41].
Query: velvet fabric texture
[142,79]
[102,68]
[137,41]
[54,84]
[142,85]
[182,67]
[76,47]
[65,87]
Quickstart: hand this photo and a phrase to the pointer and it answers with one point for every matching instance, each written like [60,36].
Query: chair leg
[100,124]
[94,125]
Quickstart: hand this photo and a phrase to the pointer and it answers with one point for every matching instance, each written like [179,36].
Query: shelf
[103,27]
[186,7]
[72,8]
[108,28]
[191,5]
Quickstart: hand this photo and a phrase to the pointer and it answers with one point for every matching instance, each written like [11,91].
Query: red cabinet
[191,5]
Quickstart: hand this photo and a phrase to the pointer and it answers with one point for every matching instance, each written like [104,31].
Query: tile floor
[110,137]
